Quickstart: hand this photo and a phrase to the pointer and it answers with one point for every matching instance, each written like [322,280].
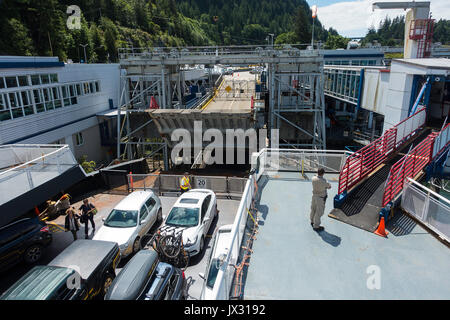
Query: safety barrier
[361,163]
[161,183]
[441,141]
[225,275]
[432,209]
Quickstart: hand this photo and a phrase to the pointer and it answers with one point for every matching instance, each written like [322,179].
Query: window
[38,100]
[65,93]
[45,79]
[143,214]
[5,113]
[97,86]
[56,97]
[79,91]
[53,78]
[150,203]
[23,81]
[16,107]
[48,99]
[205,206]
[35,80]
[91,87]
[26,101]
[86,88]
[11,82]
[79,139]
[2,83]
[121,219]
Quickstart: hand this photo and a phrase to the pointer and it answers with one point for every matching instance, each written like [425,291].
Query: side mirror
[144,221]
[202,275]
[103,219]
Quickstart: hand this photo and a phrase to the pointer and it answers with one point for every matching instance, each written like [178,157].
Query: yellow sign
[228,89]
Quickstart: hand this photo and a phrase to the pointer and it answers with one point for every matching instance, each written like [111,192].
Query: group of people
[87,211]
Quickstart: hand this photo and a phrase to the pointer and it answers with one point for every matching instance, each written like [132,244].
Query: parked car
[144,277]
[88,265]
[194,212]
[23,240]
[219,250]
[130,220]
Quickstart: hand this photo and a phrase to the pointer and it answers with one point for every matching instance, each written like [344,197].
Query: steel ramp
[362,206]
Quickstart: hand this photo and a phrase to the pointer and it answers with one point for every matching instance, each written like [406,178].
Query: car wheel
[33,253]
[136,245]
[159,216]
[107,282]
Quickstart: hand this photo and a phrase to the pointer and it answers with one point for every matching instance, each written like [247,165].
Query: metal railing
[429,207]
[263,162]
[408,167]
[364,161]
[167,183]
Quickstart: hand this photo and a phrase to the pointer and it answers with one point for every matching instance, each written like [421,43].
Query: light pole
[84,48]
[268,39]
[314,15]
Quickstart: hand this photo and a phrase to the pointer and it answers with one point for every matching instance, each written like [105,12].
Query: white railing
[406,127]
[429,207]
[28,166]
[268,160]
[441,140]
[225,275]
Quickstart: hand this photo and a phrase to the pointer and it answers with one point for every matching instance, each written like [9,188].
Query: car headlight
[191,242]
[124,246]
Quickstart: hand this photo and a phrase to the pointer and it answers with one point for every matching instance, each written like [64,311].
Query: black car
[23,240]
[144,277]
[84,270]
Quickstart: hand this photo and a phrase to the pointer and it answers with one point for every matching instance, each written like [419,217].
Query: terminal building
[45,101]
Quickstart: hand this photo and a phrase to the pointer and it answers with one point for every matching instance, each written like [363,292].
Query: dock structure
[294,93]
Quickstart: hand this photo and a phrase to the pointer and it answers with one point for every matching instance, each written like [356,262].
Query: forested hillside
[38,27]
[391,32]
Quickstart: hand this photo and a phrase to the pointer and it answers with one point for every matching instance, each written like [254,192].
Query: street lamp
[267,38]
[84,48]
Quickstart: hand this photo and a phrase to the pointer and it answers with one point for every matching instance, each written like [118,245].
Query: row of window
[343,83]
[23,103]
[352,63]
[27,80]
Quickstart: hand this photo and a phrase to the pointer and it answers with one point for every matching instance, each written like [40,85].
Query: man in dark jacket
[87,214]
[71,222]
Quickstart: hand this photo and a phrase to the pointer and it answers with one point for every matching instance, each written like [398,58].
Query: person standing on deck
[319,198]
[184,183]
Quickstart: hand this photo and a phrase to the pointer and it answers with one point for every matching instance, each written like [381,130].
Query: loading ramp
[373,177]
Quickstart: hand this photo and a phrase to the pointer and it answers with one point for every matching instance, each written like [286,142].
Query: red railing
[361,163]
[408,167]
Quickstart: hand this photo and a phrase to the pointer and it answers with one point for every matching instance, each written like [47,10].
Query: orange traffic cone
[380,230]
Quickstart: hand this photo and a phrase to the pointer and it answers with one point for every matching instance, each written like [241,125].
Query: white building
[44,101]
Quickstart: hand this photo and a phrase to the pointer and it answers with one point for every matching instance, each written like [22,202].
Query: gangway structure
[32,174]
[294,98]
[372,179]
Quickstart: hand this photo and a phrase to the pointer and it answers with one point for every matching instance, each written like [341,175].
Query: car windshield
[122,219]
[212,273]
[183,217]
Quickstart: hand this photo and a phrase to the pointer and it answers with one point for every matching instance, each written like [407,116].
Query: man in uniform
[319,197]
[184,183]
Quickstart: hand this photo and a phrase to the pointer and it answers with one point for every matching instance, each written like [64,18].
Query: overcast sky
[352,18]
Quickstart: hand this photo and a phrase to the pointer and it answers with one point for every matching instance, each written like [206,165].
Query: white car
[219,250]
[194,212]
[130,220]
